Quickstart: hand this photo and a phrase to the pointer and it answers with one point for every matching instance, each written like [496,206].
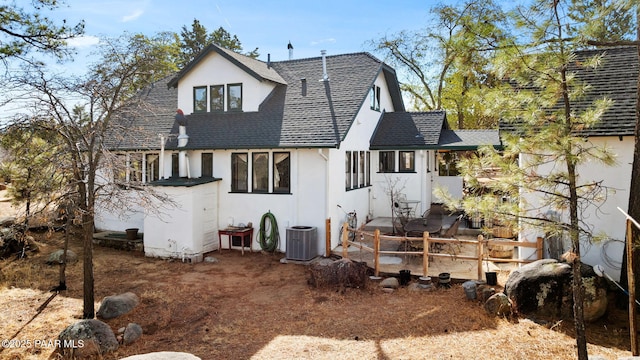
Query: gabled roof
[408,130]
[256,68]
[138,124]
[616,79]
[427,130]
[301,111]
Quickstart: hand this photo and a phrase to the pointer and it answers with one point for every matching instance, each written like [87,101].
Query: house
[615,78]
[306,140]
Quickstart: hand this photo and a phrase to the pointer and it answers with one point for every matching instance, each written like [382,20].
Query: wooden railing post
[425,253]
[480,255]
[633,320]
[539,247]
[345,240]
[376,252]
[327,237]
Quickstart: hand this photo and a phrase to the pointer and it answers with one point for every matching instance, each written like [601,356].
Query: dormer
[219,80]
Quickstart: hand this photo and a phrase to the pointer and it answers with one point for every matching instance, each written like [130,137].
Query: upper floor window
[407,161]
[217,98]
[234,93]
[200,99]
[374,95]
[387,161]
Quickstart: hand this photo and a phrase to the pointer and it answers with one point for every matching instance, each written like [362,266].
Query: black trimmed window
[234,97]
[239,172]
[368,163]
[374,95]
[200,99]
[407,162]
[347,170]
[281,172]
[152,167]
[361,177]
[175,165]
[207,164]
[260,172]
[216,102]
[387,161]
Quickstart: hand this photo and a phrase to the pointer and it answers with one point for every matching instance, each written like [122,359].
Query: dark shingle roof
[397,130]
[150,113]
[427,130]
[306,112]
[468,139]
[616,79]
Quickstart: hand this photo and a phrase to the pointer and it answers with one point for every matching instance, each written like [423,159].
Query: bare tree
[83,113]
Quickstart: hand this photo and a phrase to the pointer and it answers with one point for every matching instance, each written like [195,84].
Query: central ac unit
[302,242]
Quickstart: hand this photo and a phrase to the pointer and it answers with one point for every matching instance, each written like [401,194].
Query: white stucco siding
[604,218]
[216,70]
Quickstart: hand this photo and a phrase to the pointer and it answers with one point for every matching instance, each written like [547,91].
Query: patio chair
[453,230]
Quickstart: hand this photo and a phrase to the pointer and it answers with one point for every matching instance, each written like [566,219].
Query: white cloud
[134,15]
[323,41]
[83,41]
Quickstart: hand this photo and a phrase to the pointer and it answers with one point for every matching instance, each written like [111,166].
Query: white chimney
[290,47]
[325,76]
[183,138]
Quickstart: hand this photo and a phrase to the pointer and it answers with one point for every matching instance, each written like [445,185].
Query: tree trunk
[88,292]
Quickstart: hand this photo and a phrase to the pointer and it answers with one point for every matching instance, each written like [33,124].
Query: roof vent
[290,47]
[325,76]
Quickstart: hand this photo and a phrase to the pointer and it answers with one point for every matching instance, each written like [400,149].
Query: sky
[338,26]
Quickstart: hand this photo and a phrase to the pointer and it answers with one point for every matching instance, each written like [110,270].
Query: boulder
[131,333]
[116,305]
[543,288]
[390,283]
[56,257]
[87,339]
[163,355]
[498,305]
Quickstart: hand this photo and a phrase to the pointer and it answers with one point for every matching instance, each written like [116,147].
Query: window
[175,165]
[234,92]
[200,99]
[217,98]
[207,164]
[120,170]
[368,163]
[374,95]
[135,167]
[260,172]
[347,170]
[361,174]
[354,169]
[387,161]
[448,163]
[407,161]
[152,167]
[281,172]
[239,172]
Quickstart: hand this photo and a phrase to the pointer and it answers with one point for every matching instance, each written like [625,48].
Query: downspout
[327,213]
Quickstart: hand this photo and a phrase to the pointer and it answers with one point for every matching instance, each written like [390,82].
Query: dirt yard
[255,307]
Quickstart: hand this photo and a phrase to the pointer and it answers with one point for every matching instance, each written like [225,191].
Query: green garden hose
[268,241]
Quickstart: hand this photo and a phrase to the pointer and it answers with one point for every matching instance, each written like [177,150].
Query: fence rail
[426,241]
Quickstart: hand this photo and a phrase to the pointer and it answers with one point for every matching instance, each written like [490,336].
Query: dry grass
[253,306]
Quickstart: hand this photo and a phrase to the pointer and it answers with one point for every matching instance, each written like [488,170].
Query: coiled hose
[268,237]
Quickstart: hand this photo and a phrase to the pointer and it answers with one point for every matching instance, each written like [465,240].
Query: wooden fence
[426,241]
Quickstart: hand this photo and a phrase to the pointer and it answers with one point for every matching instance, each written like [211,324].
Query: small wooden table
[243,233]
